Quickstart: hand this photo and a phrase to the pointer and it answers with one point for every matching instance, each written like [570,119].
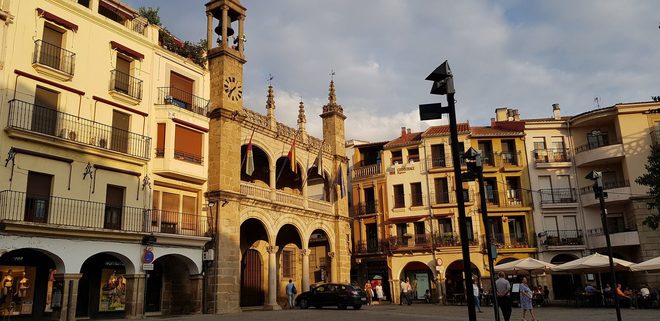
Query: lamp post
[597,177]
[476,170]
[443,84]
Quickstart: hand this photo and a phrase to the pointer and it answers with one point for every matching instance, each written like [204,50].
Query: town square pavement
[420,312]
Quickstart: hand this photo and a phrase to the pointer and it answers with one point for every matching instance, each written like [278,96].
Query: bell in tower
[229,15]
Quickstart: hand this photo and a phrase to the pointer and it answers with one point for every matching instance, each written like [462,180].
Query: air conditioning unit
[208,255]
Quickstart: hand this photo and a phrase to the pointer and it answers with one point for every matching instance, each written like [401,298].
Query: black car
[332,294]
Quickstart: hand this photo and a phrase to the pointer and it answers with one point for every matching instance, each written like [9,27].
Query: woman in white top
[475,292]
[379,291]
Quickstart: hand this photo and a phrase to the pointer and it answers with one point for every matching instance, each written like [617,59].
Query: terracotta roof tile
[493,132]
[463,128]
[407,139]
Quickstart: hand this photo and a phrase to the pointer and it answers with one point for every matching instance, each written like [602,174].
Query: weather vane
[332,74]
[270,79]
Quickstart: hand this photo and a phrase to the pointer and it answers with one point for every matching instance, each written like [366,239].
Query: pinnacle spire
[270,101]
[332,97]
[332,105]
[302,120]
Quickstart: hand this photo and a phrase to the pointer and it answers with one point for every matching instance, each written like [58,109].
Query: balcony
[508,241]
[425,241]
[127,85]
[617,191]
[42,121]
[266,194]
[563,238]
[558,197]
[451,240]
[64,213]
[449,198]
[366,171]
[365,209]
[601,151]
[513,198]
[187,157]
[617,238]
[185,100]
[371,247]
[549,158]
[509,160]
[53,60]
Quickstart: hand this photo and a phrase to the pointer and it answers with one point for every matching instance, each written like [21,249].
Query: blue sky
[511,53]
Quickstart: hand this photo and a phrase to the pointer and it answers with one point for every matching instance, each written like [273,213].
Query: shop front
[102,288]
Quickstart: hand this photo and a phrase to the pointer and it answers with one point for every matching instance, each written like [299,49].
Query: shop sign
[147,267]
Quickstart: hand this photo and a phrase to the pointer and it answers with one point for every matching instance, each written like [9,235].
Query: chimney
[501,114]
[408,131]
[516,115]
[403,131]
[556,112]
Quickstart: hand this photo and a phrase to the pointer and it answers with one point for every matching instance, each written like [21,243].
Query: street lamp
[597,177]
[443,84]
[476,171]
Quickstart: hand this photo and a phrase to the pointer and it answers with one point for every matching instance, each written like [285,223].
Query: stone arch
[454,282]
[57,261]
[293,220]
[262,166]
[289,181]
[266,220]
[103,278]
[563,285]
[505,260]
[173,286]
[323,226]
[412,263]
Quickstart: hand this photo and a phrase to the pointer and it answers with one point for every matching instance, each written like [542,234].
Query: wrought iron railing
[53,56]
[126,84]
[558,195]
[508,159]
[607,184]
[371,247]
[160,152]
[366,208]
[177,97]
[170,222]
[508,198]
[551,155]
[188,157]
[563,237]
[602,140]
[501,240]
[48,121]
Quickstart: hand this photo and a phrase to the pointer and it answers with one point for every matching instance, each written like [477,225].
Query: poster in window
[16,290]
[49,290]
[113,291]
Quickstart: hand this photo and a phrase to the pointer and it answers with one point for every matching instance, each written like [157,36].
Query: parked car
[332,294]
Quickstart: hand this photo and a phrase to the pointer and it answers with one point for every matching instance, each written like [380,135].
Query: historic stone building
[281,212]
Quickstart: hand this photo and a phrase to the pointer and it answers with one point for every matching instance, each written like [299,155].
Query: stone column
[209,30]
[135,287]
[241,33]
[331,264]
[271,303]
[273,182]
[69,296]
[225,24]
[196,293]
[305,269]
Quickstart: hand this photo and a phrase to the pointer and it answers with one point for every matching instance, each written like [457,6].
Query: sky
[519,54]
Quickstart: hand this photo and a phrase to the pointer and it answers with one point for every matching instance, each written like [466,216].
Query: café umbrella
[529,265]
[652,264]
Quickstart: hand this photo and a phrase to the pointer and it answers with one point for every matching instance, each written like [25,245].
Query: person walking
[526,296]
[408,291]
[475,293]
[404,289]
[379,291]
[369,291]
[291,292]
[503,292]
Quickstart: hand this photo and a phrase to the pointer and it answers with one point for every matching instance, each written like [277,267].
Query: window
[597,139]
[441,190]
[615,223]
[288,264]
[110,11]
[540,152]
[120,126]
[189,213]
[413,155]
[486,150]
[438,155]
[420,233]
[517,230]
[397,158]
[181,90]
[50,51]
[402,233]
[188,144]
[44,112]
[122,74]
[509,152]
[160,140]
[490,186]
[496,232]
[445,226]
[369,200]
[38,197]
[468,224]
[84,3]
[114,205]
[399,201]
[416,194]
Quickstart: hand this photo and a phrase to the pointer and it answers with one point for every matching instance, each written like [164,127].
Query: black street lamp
[597,177]
[443,84]
[476,170]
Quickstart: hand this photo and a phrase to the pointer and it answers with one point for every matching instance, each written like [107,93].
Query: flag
[340,181]
[292,155]
[319,161]
[249,167]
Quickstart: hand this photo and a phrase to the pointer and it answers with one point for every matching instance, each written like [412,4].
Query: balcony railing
[450,197]
[558,196]
[160,152]
[183,99]
[169,222]
[47,121]
[599,141]
[371,247]
[551,155]
[366,208]
[607,184]
[54,57]
[126,84]
[366,171]
[501,240]
[425,241]
[451,239]
[488,159]
[509,159]
[509,198]
[563,238]
[188,157]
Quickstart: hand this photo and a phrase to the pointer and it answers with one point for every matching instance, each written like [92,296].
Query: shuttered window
[287,264]
[170,207]
[181,89]
[160,141]
[188,145]
[189,215]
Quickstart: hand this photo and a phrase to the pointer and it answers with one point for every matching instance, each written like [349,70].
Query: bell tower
[225,35]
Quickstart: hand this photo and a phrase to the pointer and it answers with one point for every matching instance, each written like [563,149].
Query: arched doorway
[287,180]
[289,243]
[320,264]
[261,173]
[169,289]
[454,281]
[30,276]
[102,287]
[563,285]
[254,240]
[420,277]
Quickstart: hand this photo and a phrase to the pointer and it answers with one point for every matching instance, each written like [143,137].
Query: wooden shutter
[189,212]
[160,140]
[170,207]
[181,88]
[188,143]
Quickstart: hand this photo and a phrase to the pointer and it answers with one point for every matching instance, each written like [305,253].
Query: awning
[118,9]
[57,20]
[127,51]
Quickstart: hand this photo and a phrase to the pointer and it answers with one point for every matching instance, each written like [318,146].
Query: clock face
[233,88]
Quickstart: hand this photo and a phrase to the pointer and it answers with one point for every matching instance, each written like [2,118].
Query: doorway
[252,293]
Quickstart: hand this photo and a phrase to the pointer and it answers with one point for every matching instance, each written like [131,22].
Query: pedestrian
[409,291]
[526,300]
[379,291]
[369,291]
[291,292]
[503,291]
[404,289]
[475,293]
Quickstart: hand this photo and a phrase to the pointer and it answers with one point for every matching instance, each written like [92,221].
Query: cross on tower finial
[270,79]
[332,74]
